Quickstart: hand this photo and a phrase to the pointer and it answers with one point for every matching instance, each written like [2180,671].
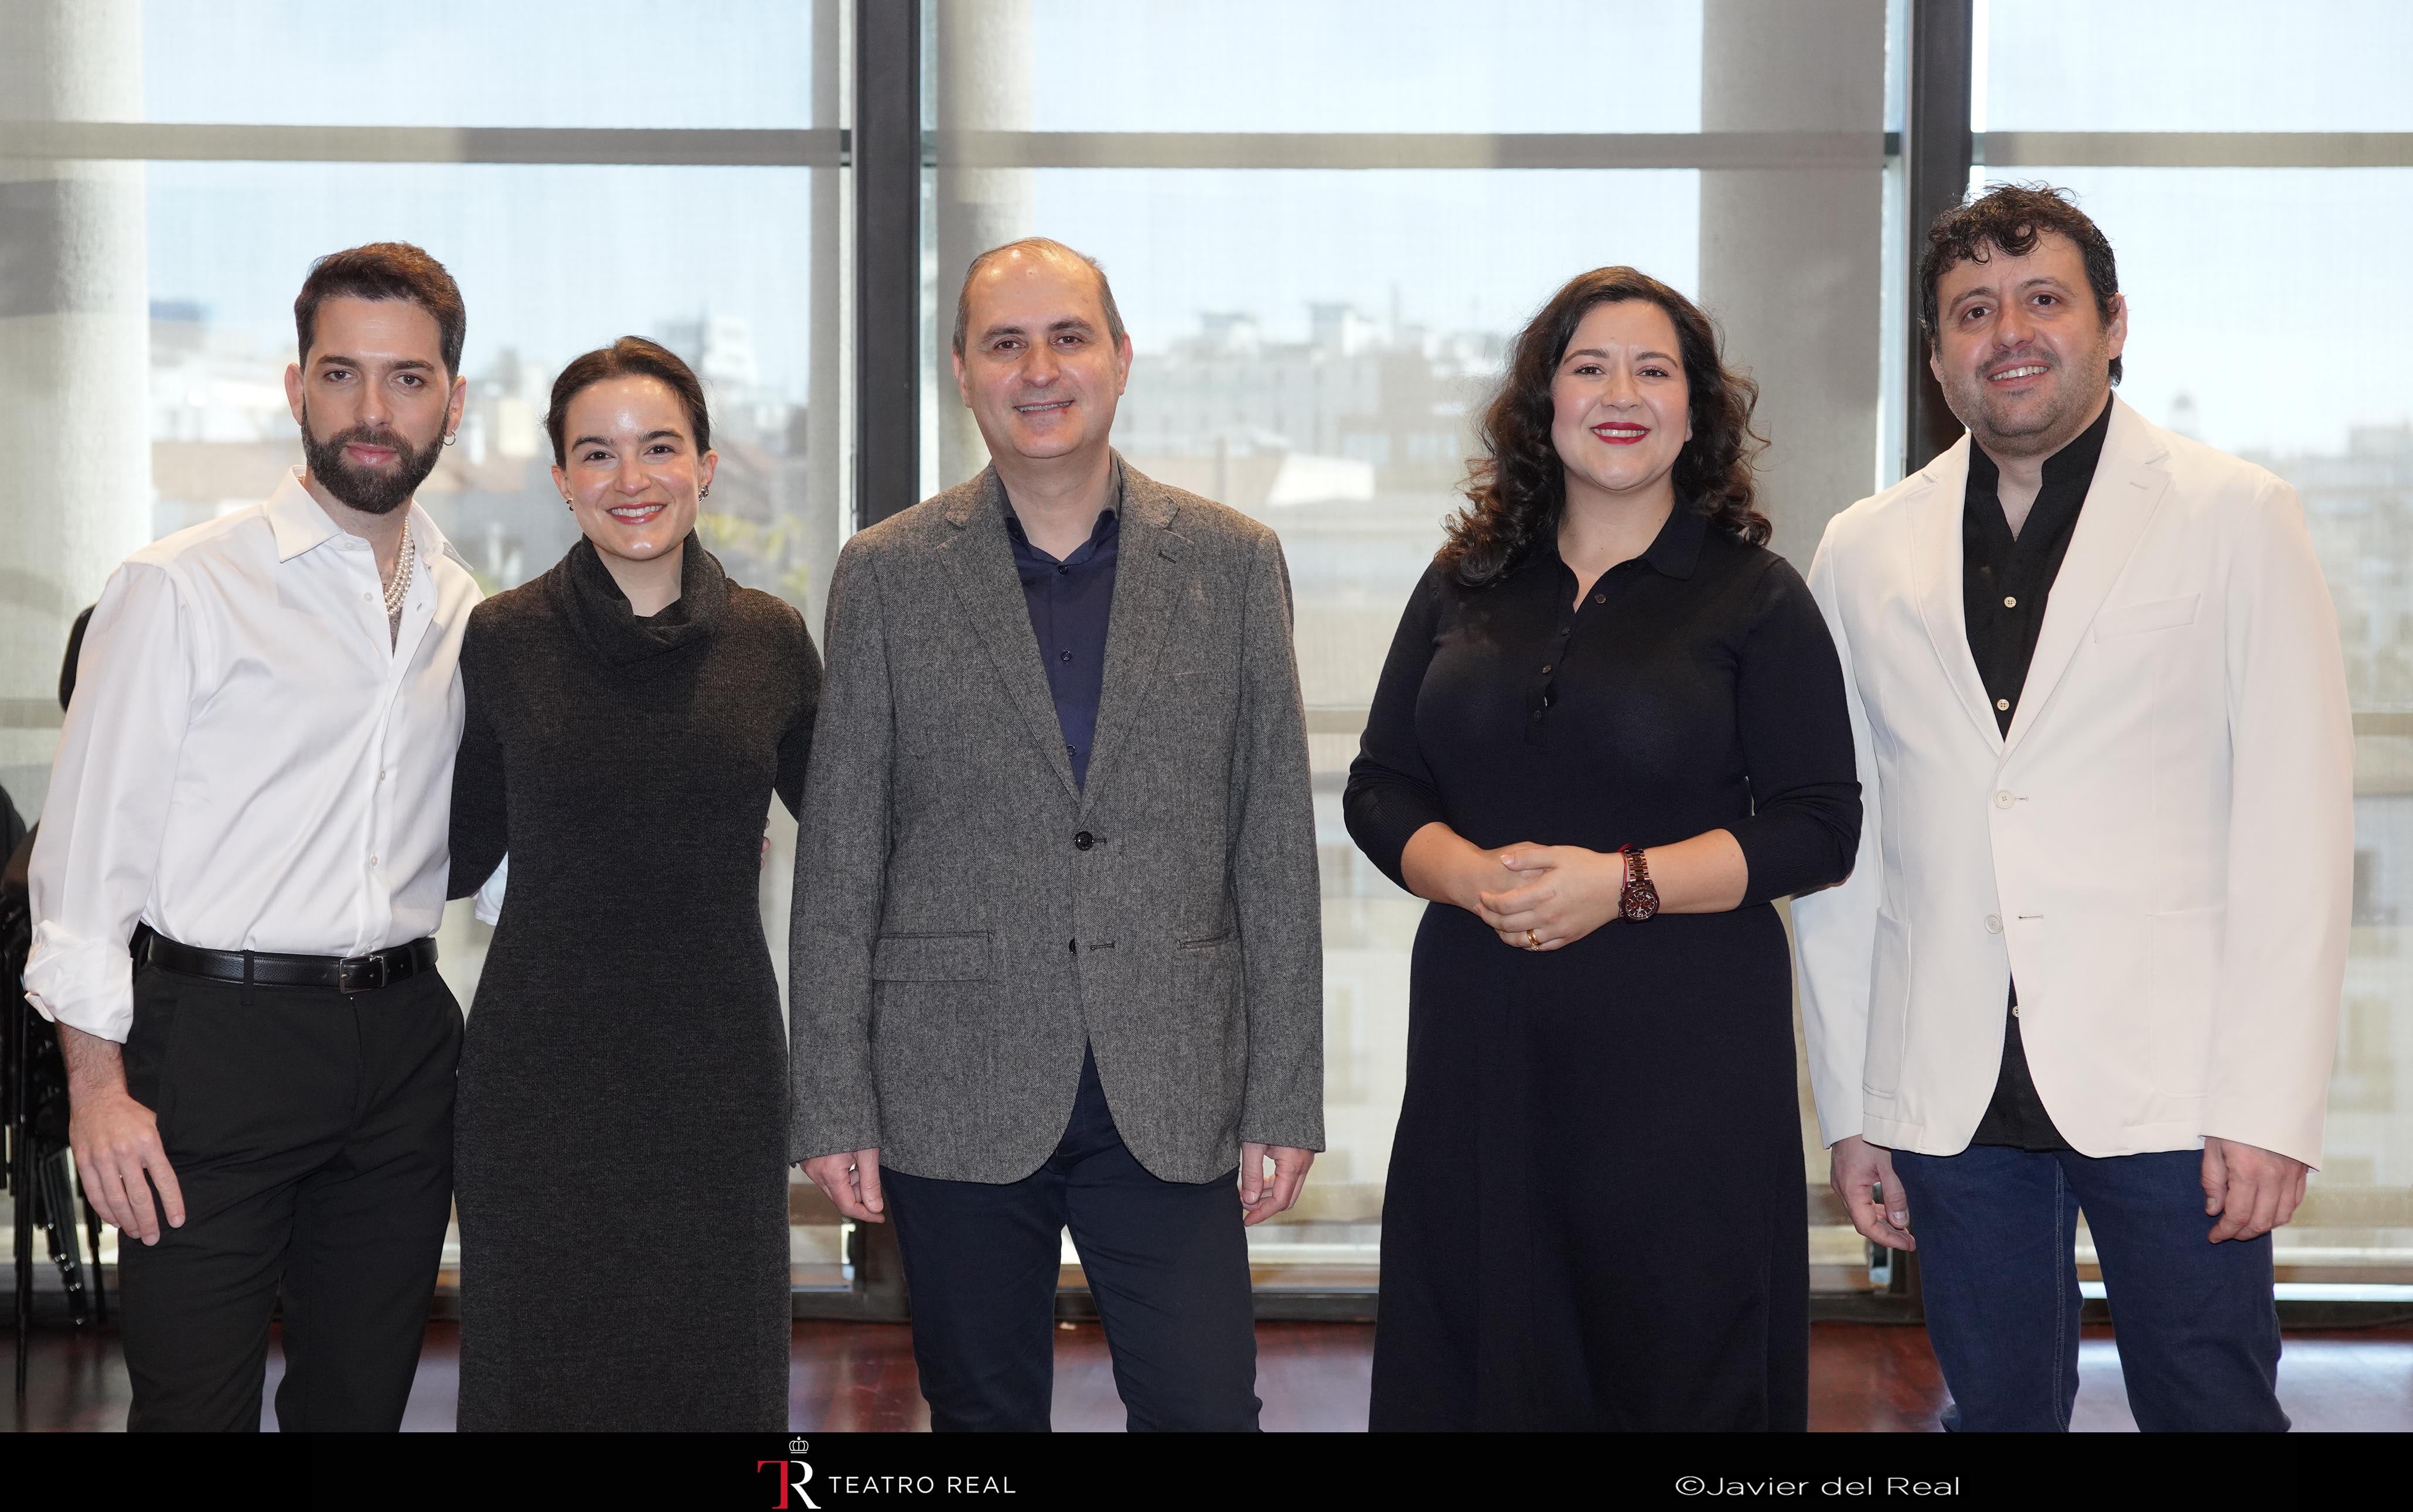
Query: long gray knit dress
[621,1136]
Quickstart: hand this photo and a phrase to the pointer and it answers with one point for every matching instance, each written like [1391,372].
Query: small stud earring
[704,492]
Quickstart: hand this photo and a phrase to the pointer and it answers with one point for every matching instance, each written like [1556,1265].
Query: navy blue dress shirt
[1070,601]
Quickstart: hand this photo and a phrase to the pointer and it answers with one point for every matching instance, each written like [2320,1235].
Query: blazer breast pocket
[2138,619]
[934,958]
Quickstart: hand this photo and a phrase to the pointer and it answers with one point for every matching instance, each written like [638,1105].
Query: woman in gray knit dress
[621,1136]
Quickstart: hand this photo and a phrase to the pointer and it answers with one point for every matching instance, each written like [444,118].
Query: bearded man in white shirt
[241,862]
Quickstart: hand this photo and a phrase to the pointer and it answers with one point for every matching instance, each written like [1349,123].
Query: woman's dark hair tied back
[628,357]
[1515,490]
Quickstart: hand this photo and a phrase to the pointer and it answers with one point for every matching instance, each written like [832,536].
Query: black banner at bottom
[1304,1473]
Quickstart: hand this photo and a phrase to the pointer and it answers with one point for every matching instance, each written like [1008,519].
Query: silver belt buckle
[349,975]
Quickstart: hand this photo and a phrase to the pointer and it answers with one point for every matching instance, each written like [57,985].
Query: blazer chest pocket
[934,958]
[2137,618]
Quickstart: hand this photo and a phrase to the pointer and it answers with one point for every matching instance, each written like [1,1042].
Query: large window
[1324,223]
[167,173]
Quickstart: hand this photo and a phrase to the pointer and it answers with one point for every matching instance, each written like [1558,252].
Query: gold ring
[1532,941]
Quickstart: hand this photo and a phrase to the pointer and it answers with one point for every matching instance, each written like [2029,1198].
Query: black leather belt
[349,975]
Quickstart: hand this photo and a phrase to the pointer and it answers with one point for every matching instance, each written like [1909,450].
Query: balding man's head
[1040,248]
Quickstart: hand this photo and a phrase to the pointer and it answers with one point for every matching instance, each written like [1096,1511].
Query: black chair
[39,1173]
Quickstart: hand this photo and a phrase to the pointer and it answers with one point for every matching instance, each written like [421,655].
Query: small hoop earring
[450,437]
[704,492]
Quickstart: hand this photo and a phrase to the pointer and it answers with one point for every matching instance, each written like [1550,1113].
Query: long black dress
[621,1149]
[1595,1216]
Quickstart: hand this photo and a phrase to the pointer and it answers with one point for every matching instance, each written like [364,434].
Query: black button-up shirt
[2006,583]
[1070,601]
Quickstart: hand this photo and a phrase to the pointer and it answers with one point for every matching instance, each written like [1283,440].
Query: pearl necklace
[398,590]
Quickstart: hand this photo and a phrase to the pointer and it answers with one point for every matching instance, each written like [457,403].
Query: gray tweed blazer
[966,917]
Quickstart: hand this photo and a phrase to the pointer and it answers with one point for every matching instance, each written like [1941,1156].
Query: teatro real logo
[794,1475]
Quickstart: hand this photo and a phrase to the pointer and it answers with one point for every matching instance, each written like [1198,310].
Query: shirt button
[1083,841]
[2010,603]
[1063,655]
[372,860]
[2015,1010]
[2004,800]
[2004,704]
[1600,599]
[1994,923]
[1546,671]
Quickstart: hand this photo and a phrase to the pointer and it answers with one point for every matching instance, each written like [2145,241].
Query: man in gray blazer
[1056,952]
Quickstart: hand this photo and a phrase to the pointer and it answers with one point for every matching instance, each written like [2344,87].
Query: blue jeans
[2195,1322]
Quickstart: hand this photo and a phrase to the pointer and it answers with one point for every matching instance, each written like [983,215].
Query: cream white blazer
[2161,849]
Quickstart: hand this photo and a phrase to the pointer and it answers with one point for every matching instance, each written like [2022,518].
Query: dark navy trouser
[1167,1262]
[2197,1333]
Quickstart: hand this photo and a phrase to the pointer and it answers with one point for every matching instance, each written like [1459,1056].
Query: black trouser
[1167,1262]
[312,1135]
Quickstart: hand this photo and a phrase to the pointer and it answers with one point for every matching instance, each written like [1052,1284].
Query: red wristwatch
[1641,900]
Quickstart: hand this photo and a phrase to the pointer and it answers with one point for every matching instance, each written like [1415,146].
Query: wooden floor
[1313,1376]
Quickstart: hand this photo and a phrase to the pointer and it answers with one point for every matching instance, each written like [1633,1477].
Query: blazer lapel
[1935,546]
[2129,481]
[1147,591]
[979,564]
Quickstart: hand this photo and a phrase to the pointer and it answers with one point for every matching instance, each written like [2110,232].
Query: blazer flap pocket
[2135,619]
[933,958]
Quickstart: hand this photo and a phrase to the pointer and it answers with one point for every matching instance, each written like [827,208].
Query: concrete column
[826,453]
[983,85]
[1790,258]
[75,494]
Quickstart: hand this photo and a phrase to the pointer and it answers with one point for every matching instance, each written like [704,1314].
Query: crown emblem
[797,1444]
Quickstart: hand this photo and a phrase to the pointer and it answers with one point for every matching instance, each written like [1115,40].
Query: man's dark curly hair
[1515,490]
[2009,218]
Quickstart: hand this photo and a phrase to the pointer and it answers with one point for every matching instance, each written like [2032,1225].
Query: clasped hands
[1544,896]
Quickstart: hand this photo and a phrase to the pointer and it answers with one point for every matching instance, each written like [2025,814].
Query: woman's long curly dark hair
[1515,490]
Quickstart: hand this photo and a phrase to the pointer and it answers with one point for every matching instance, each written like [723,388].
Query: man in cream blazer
[2090,955]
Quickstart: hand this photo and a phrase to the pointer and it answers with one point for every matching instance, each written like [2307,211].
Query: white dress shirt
[253,760]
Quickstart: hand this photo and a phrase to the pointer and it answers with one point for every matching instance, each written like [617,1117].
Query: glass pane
[2265,341]
[229,242]
[2193,65]
[1310,348]
[147,319]
[1312,344]
[1352,66]
[472,63]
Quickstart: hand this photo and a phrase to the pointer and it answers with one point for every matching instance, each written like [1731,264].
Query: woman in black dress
[1595,1216]
[621,1154]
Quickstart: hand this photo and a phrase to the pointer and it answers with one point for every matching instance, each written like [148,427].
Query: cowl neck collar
[599,614]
